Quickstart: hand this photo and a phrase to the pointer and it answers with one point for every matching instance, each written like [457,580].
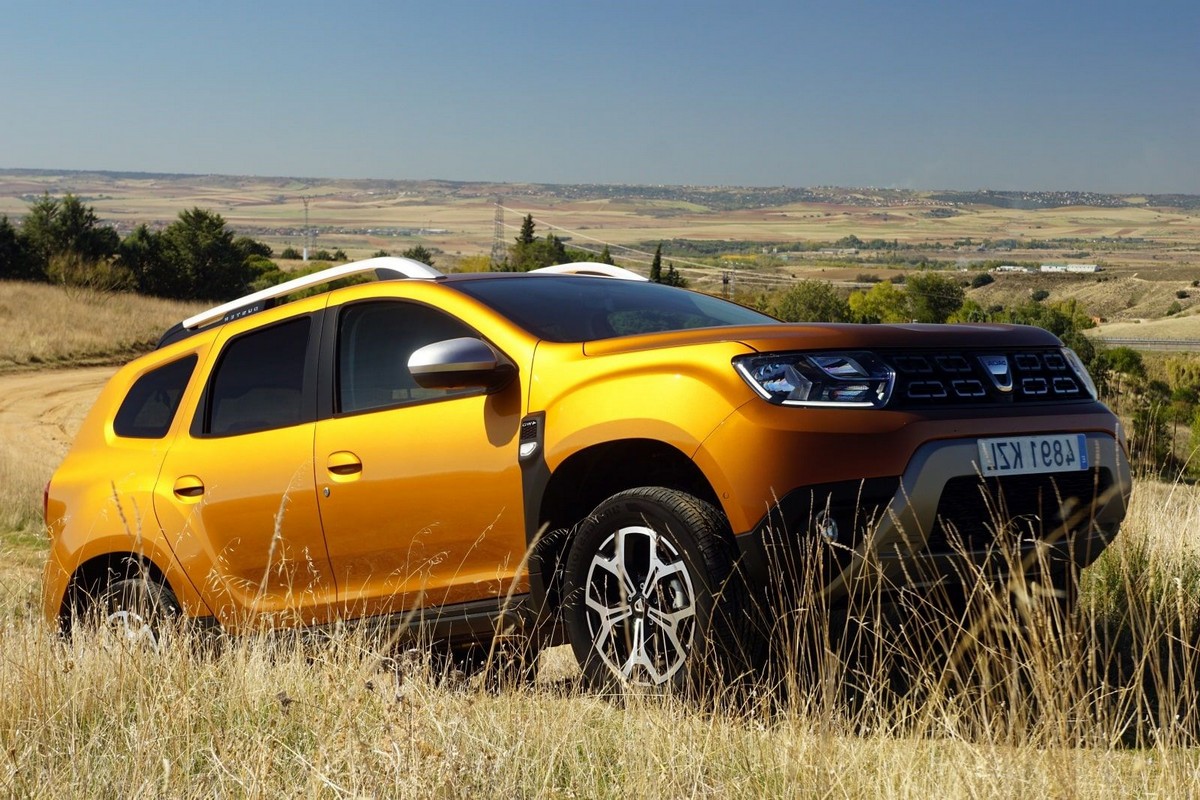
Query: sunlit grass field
[1108,710]
[44,325]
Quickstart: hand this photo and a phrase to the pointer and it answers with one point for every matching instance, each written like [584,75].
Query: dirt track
[41,411]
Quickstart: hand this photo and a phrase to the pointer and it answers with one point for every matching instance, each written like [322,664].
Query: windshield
[582,309]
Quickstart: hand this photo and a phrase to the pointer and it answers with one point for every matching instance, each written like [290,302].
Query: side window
[259,382]
[149,408]
[374,343]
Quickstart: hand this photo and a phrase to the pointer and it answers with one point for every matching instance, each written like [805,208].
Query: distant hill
[715,198]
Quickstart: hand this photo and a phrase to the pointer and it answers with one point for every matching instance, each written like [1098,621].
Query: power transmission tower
[307,230]
[499,248]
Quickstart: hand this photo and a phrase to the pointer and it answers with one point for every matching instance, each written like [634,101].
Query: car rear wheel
[651,595]
[138,611]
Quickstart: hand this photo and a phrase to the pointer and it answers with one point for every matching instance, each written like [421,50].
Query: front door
[419,489]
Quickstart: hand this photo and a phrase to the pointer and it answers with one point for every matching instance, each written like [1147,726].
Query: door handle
[189,487]
[343,463]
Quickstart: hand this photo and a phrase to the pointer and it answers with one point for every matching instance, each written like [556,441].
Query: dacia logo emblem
[998,370]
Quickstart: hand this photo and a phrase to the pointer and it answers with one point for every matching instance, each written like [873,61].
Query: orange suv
[640,470]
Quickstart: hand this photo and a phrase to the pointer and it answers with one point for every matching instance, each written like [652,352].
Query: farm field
[1148,253]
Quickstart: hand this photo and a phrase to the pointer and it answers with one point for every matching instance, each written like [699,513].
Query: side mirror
[463,363]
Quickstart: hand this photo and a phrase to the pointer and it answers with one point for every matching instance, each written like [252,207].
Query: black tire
[139,611]
[549,560]
[651,595]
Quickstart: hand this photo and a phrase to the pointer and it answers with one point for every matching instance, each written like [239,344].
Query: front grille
[972,509]
[955,379]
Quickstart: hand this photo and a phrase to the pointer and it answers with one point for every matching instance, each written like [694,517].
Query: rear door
[236,495]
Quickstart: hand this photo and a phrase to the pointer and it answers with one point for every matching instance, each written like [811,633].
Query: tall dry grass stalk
[1104,706]
[42,324]
[20,492]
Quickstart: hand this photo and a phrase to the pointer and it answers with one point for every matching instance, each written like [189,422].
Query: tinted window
[259,382]
[150,406]
[580,309]
[374,343]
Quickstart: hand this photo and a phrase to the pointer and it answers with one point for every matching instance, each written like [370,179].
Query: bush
[1039,295]
[1182,295]
[291,253]
[982,279]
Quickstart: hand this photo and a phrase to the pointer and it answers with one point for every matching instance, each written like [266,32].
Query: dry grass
[41,324]
[1108,711]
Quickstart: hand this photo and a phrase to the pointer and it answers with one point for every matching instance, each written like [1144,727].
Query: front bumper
[937,524]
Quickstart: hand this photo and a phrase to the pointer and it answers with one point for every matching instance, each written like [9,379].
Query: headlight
[849,380]
[1081,371]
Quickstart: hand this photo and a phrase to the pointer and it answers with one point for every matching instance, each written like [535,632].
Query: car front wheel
[651,597]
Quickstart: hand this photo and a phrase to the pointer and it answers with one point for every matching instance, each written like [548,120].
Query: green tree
[656,273]
[14,261]
[419,253]
[1151,445]
[1124,367]
[1184,372]
[141,253]
[810,301]
[557,250]
[200,250]
[527,235]
[882,303]
[673,278]
[933,297]
[524,256]
[66,227]
[606,257]
[252,247]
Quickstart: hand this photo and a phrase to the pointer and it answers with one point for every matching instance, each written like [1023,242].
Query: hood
[835,336]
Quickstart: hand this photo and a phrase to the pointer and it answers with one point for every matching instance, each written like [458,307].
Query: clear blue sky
[1099,95]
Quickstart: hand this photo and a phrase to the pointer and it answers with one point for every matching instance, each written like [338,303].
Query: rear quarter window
[149,408]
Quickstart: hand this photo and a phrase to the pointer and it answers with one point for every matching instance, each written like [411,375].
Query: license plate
[1026,455]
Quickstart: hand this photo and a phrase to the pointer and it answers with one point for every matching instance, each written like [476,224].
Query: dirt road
[41,411]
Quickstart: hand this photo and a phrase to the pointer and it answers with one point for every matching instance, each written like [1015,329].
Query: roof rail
[384,267]
[589,268]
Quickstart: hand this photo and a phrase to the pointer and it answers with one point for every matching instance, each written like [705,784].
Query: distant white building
[1011,268]
[1076,268]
